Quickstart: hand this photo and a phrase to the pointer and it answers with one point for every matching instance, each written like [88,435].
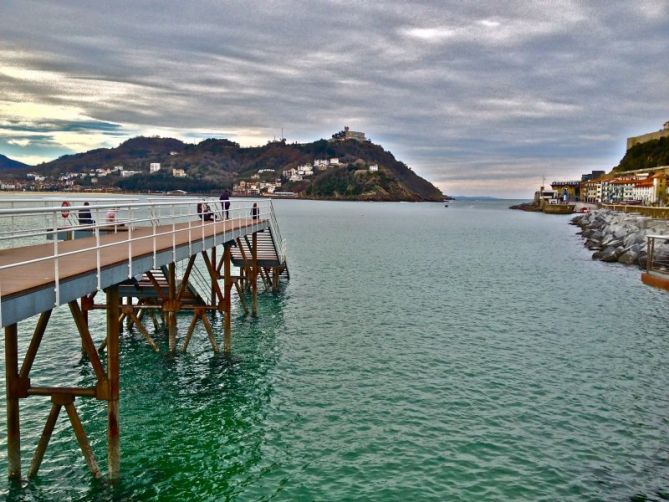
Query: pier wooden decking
[28,289]
[27,277]
[35,279]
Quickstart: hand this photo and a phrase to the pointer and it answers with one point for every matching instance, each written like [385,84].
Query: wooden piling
[80,434]
[113,374]
[254,277]
[214,276]
[35,342]
[275,279]
[13,423]
[171,315]
[227,287]
[44,439]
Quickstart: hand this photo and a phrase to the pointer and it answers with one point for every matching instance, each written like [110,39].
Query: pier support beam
[276,272]
[13,425]
[113,377]
[227,288]
[214,277]
[254,277]
[171,314]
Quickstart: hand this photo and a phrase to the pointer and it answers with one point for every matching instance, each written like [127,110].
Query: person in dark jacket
[225,203]
[208,214]
[255,211]
[204,212]
[85,217]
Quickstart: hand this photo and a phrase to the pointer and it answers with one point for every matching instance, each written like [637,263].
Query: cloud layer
[479,98]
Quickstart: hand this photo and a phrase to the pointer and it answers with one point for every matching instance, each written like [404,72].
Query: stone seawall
[621,237]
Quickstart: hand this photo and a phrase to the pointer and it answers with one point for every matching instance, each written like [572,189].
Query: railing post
[190,239]
[153,226]
[130,224]
[174,236]
[56,260]
[13,423]
[98,265]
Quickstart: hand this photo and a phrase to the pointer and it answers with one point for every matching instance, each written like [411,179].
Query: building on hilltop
[347,134]
[662,133]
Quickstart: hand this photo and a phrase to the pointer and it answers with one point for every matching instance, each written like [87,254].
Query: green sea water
[418,352]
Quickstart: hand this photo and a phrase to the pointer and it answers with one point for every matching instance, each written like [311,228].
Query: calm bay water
[469,352]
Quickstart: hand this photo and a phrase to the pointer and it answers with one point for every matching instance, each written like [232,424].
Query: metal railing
[57,222]
[658,254]
[199,282]
[279,242]
[650,211]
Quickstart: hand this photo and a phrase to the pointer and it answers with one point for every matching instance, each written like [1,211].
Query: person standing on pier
[85,217]
[225,203]
[255,212]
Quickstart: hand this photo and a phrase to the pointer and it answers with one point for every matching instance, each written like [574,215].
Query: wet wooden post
[227,288]
[84,313]
[171,314]
[13,425]
[113,377]
[275,279]
[254,276]
[214,276]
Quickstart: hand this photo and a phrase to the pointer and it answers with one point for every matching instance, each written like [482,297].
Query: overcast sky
[478,97]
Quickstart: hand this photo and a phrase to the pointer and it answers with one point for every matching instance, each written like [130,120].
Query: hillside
[645,155]
[7,163]
[215,163]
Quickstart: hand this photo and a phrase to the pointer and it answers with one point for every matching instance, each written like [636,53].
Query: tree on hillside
[652,153]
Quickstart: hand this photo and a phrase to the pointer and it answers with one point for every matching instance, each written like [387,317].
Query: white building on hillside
[154,167]
[373,168]
[287,173]
[178,173]
[305,170]
[321,164]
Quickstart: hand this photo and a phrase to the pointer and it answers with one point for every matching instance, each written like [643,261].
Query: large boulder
[628,257]
[612,242]
[593,244]
[633,238]
[611,253]
[621,237]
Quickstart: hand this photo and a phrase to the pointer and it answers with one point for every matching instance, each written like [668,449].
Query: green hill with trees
[216,163]
[652,153]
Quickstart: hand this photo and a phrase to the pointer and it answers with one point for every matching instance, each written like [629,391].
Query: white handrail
[43,222]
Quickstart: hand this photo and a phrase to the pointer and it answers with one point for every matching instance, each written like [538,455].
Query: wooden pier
[127,265]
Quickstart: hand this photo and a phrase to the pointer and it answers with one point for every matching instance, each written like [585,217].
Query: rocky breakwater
[621,237]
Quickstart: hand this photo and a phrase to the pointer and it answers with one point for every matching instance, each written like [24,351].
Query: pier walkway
[54,253]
